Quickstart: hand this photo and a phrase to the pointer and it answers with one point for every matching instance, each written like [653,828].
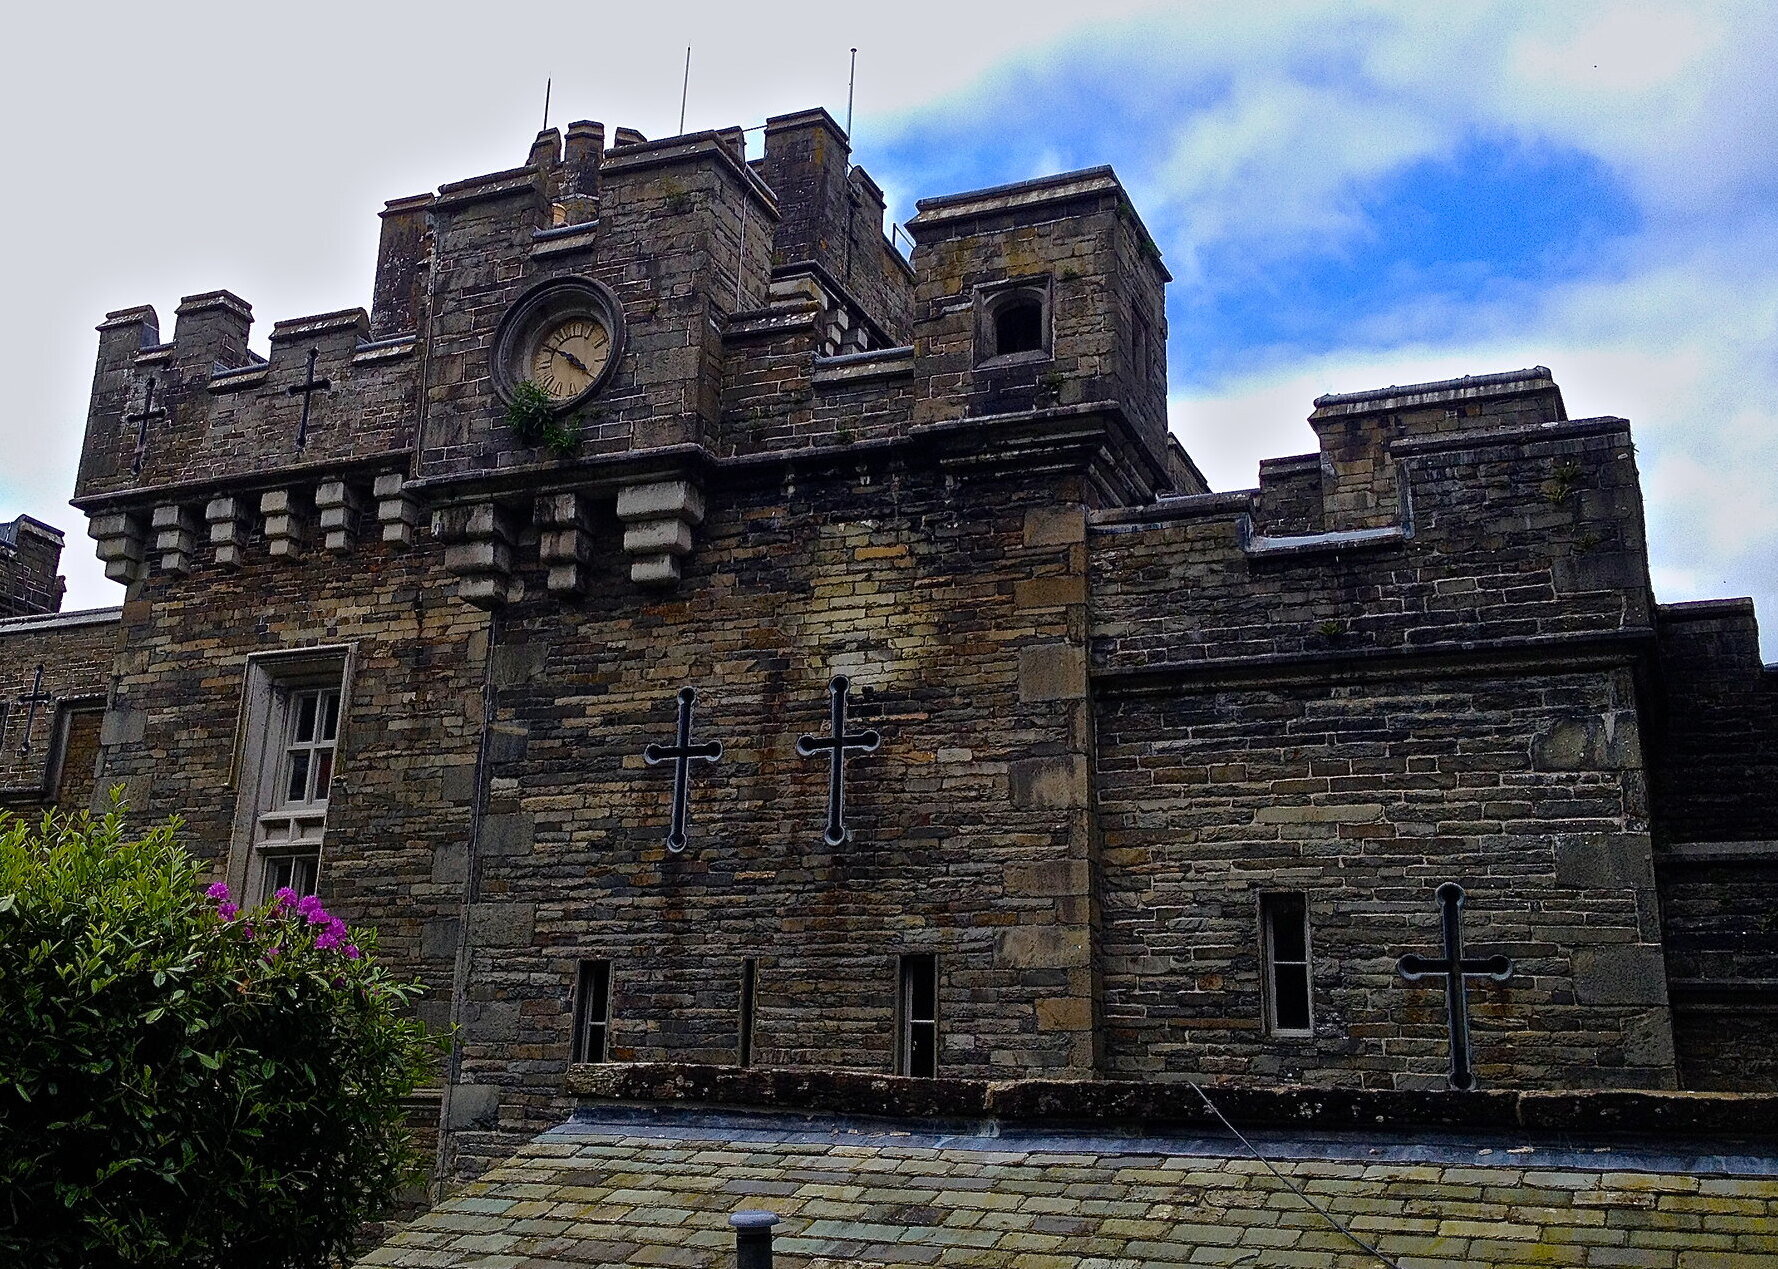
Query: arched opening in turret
[1018,324]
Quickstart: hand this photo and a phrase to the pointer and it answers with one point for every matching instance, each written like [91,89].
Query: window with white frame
[292,709]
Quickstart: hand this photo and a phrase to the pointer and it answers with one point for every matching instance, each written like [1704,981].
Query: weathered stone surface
[941,1183]
[1039,783]
[1049,672]
[1628,974]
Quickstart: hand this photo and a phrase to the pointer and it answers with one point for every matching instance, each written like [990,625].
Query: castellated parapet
[752,328]
[638,416]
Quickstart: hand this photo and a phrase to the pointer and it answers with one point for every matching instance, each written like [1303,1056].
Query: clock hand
[573,361]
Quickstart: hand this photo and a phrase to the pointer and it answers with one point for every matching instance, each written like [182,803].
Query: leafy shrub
[532,417]
[182,1082]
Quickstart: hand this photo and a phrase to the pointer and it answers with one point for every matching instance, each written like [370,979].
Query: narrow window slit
[592,1012]
[1284,923]
[917,1007]
[749,984]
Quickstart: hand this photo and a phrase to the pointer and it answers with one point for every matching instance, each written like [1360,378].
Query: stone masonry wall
[1321,715]
[1365,794]
[954,607]
[403,794]
[1714,768]
[1715,757]
[75,652]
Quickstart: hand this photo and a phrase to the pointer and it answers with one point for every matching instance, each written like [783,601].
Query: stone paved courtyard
[619,1186]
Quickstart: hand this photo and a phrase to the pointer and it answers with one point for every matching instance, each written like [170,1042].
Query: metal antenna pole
[546,87]
[684,90]
[851,83]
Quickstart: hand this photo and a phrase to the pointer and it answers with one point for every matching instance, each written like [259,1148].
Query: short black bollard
[753,1239]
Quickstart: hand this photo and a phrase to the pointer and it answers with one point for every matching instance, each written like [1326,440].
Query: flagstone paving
[603,1191]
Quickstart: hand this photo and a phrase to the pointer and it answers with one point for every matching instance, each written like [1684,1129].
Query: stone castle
[1133,780]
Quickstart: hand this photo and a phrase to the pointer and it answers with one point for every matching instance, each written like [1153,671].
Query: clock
[565,336]
[570,357]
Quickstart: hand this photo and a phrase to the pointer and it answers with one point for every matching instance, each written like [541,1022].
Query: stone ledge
[1100,1102]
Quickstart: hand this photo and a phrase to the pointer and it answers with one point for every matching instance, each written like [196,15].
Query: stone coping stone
[1099,1102]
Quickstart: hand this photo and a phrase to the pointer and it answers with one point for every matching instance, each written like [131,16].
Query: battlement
[1460,515]
[728,309]
[30,552]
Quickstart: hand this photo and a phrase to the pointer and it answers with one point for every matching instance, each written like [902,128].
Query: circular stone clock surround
[540,312]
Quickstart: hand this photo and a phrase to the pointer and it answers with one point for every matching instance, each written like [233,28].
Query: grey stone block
[1039,783]
[438,939]
[1051,672]
[450,863]
[472,1106]
[1043,947]
[1621,974]
[123,726]
[1602,860]
[506,834]
[500,923]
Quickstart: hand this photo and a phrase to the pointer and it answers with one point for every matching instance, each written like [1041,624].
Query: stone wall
[404,793]
[954,609]
[48,751]
[1360,713]
[1714,767]
[1365,793]
[1115,709]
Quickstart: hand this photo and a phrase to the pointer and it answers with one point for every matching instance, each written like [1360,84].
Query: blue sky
[1349,194]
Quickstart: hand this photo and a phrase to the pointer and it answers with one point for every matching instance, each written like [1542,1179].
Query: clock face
[570,356]
[564,337]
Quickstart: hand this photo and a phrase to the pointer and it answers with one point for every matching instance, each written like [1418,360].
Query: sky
[1349,195]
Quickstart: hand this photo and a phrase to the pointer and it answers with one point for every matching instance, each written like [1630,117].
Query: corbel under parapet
[175,537]
[658,518]
[478,549]
[398,511]
[120,541]
[227,518]
[564,545]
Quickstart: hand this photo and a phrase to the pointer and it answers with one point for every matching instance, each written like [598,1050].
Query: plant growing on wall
[533,419]
[186,1082]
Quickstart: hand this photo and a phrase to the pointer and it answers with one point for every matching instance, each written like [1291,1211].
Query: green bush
[183,1083]
[532,417]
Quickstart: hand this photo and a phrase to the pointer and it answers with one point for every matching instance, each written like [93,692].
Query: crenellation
[210,332]
[398,303]
[30,552]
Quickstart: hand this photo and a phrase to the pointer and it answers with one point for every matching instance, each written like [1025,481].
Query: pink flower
[286,897]
[352,952]
[227,911]
[218,891]
[310,906]
[326,940]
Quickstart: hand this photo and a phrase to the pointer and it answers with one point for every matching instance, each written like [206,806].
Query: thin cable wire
[1294,1187]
